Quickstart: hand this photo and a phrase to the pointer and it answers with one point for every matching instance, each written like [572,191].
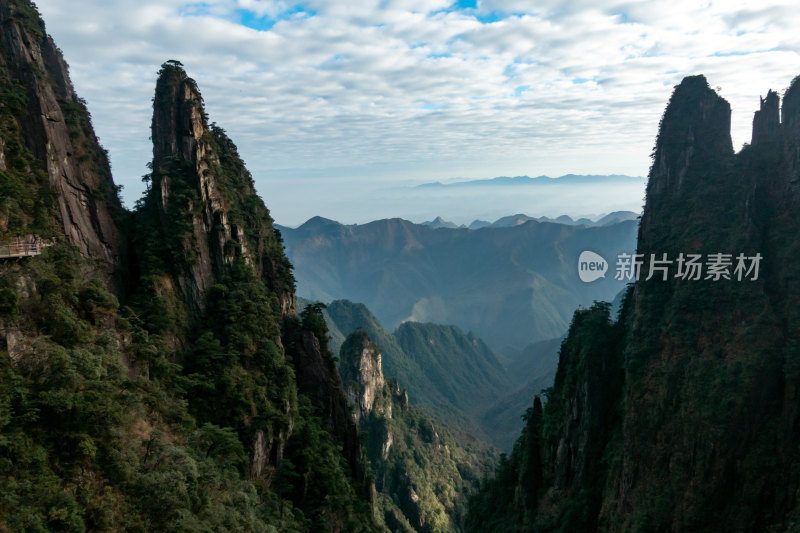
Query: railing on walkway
[23,247]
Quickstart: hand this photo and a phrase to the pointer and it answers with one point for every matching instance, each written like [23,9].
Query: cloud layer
[351,95]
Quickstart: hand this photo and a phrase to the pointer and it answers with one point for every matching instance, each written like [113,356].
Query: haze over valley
[398,269]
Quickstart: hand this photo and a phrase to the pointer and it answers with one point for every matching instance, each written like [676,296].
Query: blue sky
[336,103]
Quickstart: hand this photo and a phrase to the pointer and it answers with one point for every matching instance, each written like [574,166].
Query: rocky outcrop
[362,373]
[588,384]
[790,131]
[695,127]
[206,195]
[369,392]
[421,475]
[56,128]
[790,113]
[318,379]
[700,432]
[766,122]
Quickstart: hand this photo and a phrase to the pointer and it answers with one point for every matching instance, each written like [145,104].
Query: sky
[339,108]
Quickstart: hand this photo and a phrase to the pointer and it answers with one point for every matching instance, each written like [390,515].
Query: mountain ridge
[512,285]
[683,414]
[451,374]
[537,180]
[153,373]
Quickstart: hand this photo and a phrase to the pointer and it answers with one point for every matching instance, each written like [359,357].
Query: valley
[186,363]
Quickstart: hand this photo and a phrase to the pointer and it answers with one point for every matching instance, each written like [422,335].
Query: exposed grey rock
[78,168]
[362,373]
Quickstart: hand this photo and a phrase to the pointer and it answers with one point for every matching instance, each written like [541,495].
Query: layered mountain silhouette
[453,375]
[538,181]
[516,220]
[510,285]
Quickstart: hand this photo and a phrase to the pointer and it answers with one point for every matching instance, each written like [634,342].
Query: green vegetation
[423,473]
[84,444]
[90,444]
[541,486]
[172,404]
[27,205]
[28,14]
[683,415]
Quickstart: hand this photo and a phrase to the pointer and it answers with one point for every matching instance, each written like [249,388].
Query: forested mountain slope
[510,285]
[682,416]
[153,373]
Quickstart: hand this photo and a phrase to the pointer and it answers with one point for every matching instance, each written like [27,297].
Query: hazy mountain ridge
[511,286]
[454,375]
[506,181]
[516,220]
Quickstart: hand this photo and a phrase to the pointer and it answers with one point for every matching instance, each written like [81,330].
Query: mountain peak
[179,120]
[205,196]
[766,122]
[696,126]
[439,222]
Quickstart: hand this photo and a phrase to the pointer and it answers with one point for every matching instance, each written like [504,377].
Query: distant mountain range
[503,181]
[512,284]
[516,220]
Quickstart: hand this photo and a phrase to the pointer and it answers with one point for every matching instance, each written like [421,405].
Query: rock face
[695,127]
[588,404]
[766,122]
[790,131]
[700,432]
[362,372]
[197,170]
[318,378]
[366,387]
[695,382]
[55,128]
[421,475]
[216,243]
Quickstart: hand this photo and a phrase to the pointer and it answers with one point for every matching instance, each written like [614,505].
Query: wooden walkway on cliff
[23,247]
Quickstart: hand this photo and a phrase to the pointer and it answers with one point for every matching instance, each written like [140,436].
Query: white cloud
[411,89]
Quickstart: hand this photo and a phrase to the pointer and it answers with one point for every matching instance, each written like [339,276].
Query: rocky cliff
[200,227]
[422,474]
[766,122]
[186,394]
[363,373]
[451,373]
[56,178]
[700,431]
[206,201]
[209,252]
